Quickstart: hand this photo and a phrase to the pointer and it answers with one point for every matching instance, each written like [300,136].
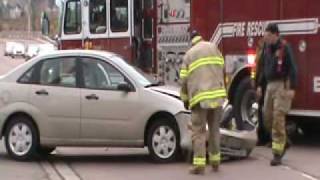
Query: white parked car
[87,98]
[92,98]
[9,48]
[31,51]
[18,50]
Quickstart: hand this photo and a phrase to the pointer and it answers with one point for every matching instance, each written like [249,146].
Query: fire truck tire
[227,116]
[244,98]
[163,141]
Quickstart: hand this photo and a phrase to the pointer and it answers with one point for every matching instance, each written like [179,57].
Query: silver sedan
[88,98]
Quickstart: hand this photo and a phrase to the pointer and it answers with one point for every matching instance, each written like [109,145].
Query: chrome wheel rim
[164,142]
[20,139]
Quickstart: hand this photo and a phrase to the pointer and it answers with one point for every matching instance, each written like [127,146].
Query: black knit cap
[273,28]
[194,33]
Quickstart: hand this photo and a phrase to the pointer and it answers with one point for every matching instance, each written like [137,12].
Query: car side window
[100,75]
[58,72]
[27,77]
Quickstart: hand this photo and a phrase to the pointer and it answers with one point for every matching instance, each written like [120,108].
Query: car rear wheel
[21,138]
[163,141]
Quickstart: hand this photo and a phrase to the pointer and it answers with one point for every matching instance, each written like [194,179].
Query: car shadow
[128,159]
[137,159]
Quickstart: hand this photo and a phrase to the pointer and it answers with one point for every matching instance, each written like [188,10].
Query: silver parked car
[91,98]
[88,98]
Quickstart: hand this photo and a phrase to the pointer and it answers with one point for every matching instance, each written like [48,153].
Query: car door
[57,98]
[106,112]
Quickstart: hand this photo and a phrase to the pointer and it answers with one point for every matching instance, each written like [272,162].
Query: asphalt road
[302,161]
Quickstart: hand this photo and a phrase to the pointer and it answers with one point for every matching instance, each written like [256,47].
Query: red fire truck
[153,34]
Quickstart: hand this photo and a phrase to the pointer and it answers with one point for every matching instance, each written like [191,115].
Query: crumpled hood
[168,90]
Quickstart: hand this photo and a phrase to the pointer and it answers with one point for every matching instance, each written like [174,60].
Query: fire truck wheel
[163,140]
[226,120]
[245,105]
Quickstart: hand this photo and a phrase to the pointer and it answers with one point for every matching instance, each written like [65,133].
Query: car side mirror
[124,87]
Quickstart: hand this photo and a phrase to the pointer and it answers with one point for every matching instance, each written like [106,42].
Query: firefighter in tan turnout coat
[203,91]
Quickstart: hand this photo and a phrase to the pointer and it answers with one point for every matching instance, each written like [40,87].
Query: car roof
[77,53]
[14,74]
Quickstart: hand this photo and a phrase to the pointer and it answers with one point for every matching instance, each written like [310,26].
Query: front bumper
[183,120]
[2,121]
[233,143]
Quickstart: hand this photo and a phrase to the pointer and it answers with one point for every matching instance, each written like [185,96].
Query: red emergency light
[251,58]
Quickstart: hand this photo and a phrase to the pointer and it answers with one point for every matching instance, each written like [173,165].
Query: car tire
[244,97]
[45,151]
[163,141]
[21,138]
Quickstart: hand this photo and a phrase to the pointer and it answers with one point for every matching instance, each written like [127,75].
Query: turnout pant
[277,104]
[200,118]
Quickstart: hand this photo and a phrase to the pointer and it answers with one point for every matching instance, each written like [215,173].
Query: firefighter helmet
[195,37]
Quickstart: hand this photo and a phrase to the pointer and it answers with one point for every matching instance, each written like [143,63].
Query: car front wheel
[163,141]
[21,138]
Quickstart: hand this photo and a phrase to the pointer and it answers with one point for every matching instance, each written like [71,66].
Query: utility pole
[28,9]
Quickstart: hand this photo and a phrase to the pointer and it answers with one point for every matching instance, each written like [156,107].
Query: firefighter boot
[287,146]
[276,161]
[215,167]
[198,170]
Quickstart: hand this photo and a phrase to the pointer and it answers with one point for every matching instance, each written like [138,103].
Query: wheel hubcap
[20,139]
[164,142]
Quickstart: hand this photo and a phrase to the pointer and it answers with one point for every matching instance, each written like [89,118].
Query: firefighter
[203,91]
[279,71]
[263,135]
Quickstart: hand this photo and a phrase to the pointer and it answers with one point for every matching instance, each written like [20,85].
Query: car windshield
[141,77]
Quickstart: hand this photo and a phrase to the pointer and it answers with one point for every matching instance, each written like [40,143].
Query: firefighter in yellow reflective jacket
[203,91]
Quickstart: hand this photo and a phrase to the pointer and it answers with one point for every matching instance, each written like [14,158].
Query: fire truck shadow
[307,140]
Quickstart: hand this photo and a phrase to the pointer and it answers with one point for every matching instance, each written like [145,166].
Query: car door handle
[42,92]
[92,97]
